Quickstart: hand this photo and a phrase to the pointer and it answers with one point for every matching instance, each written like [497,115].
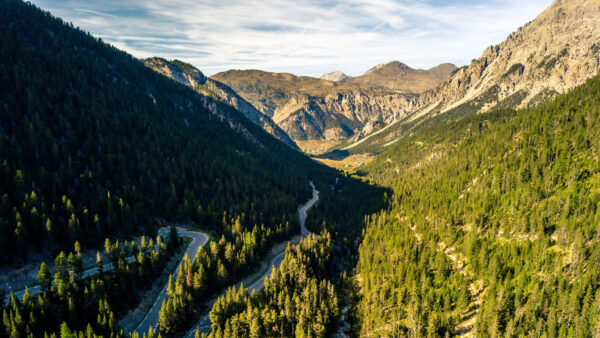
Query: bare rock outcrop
[557,51]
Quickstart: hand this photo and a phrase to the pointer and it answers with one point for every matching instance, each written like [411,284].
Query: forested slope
[93,144]
[503,205]
[95,147]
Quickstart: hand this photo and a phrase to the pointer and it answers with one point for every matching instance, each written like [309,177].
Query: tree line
[215,266]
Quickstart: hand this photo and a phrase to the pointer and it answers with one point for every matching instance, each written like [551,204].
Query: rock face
[557,51]
[190,76]
[313,109]
[177,70]
[334,76]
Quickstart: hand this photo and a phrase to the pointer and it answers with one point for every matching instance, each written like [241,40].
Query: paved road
[198,239]
[151,320]
[204,323]
[304,208]
[36,289]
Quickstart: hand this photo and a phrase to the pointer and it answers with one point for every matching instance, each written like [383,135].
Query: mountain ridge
[315,109]
[534,63]
[189,75]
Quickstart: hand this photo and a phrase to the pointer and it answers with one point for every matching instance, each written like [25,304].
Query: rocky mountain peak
[557,51]
[334,76]
[393,67]
[554,53]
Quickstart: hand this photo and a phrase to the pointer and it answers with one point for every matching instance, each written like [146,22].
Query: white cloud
[307,37]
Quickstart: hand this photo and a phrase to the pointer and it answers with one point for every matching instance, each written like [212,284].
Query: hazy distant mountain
[189,75]
[334,76]
[442,71]
[308,108]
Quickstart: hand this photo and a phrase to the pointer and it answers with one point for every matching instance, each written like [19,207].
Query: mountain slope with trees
[506,202]
[93,144]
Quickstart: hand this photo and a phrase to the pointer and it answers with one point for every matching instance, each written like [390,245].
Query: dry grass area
[316,147]
[349,163]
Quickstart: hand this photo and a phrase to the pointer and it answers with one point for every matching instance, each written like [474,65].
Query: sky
[303,37]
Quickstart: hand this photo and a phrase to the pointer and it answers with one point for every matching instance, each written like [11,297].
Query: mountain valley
[156,201]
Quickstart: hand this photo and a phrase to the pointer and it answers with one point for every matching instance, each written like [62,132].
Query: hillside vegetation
[93,144]
[503,205]
[190,76]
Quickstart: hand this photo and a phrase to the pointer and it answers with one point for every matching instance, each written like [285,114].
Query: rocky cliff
[190,76]
[557,51]
[312,109]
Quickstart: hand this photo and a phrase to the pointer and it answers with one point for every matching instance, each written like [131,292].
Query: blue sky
[304,37]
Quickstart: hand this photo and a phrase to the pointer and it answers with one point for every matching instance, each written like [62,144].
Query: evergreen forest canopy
[494,219]
[93,144]
[96,147]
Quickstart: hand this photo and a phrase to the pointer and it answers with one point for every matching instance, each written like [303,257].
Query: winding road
[198,239]
[36,289]
[151,320]
[203,325]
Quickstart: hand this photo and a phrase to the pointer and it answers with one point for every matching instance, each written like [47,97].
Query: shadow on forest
[344,206]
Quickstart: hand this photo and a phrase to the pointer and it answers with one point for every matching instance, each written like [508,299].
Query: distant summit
[334,76]
[335,106]
[390,67]
[396,76]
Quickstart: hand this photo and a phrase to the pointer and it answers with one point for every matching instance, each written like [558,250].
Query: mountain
[95,145]
[557,51]
[492,227]
[442,71]
[308,108]
[395,76]
[334,76]
[190,76]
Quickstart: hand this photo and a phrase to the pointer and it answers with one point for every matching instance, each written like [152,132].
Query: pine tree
[44,278]
[65,332]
